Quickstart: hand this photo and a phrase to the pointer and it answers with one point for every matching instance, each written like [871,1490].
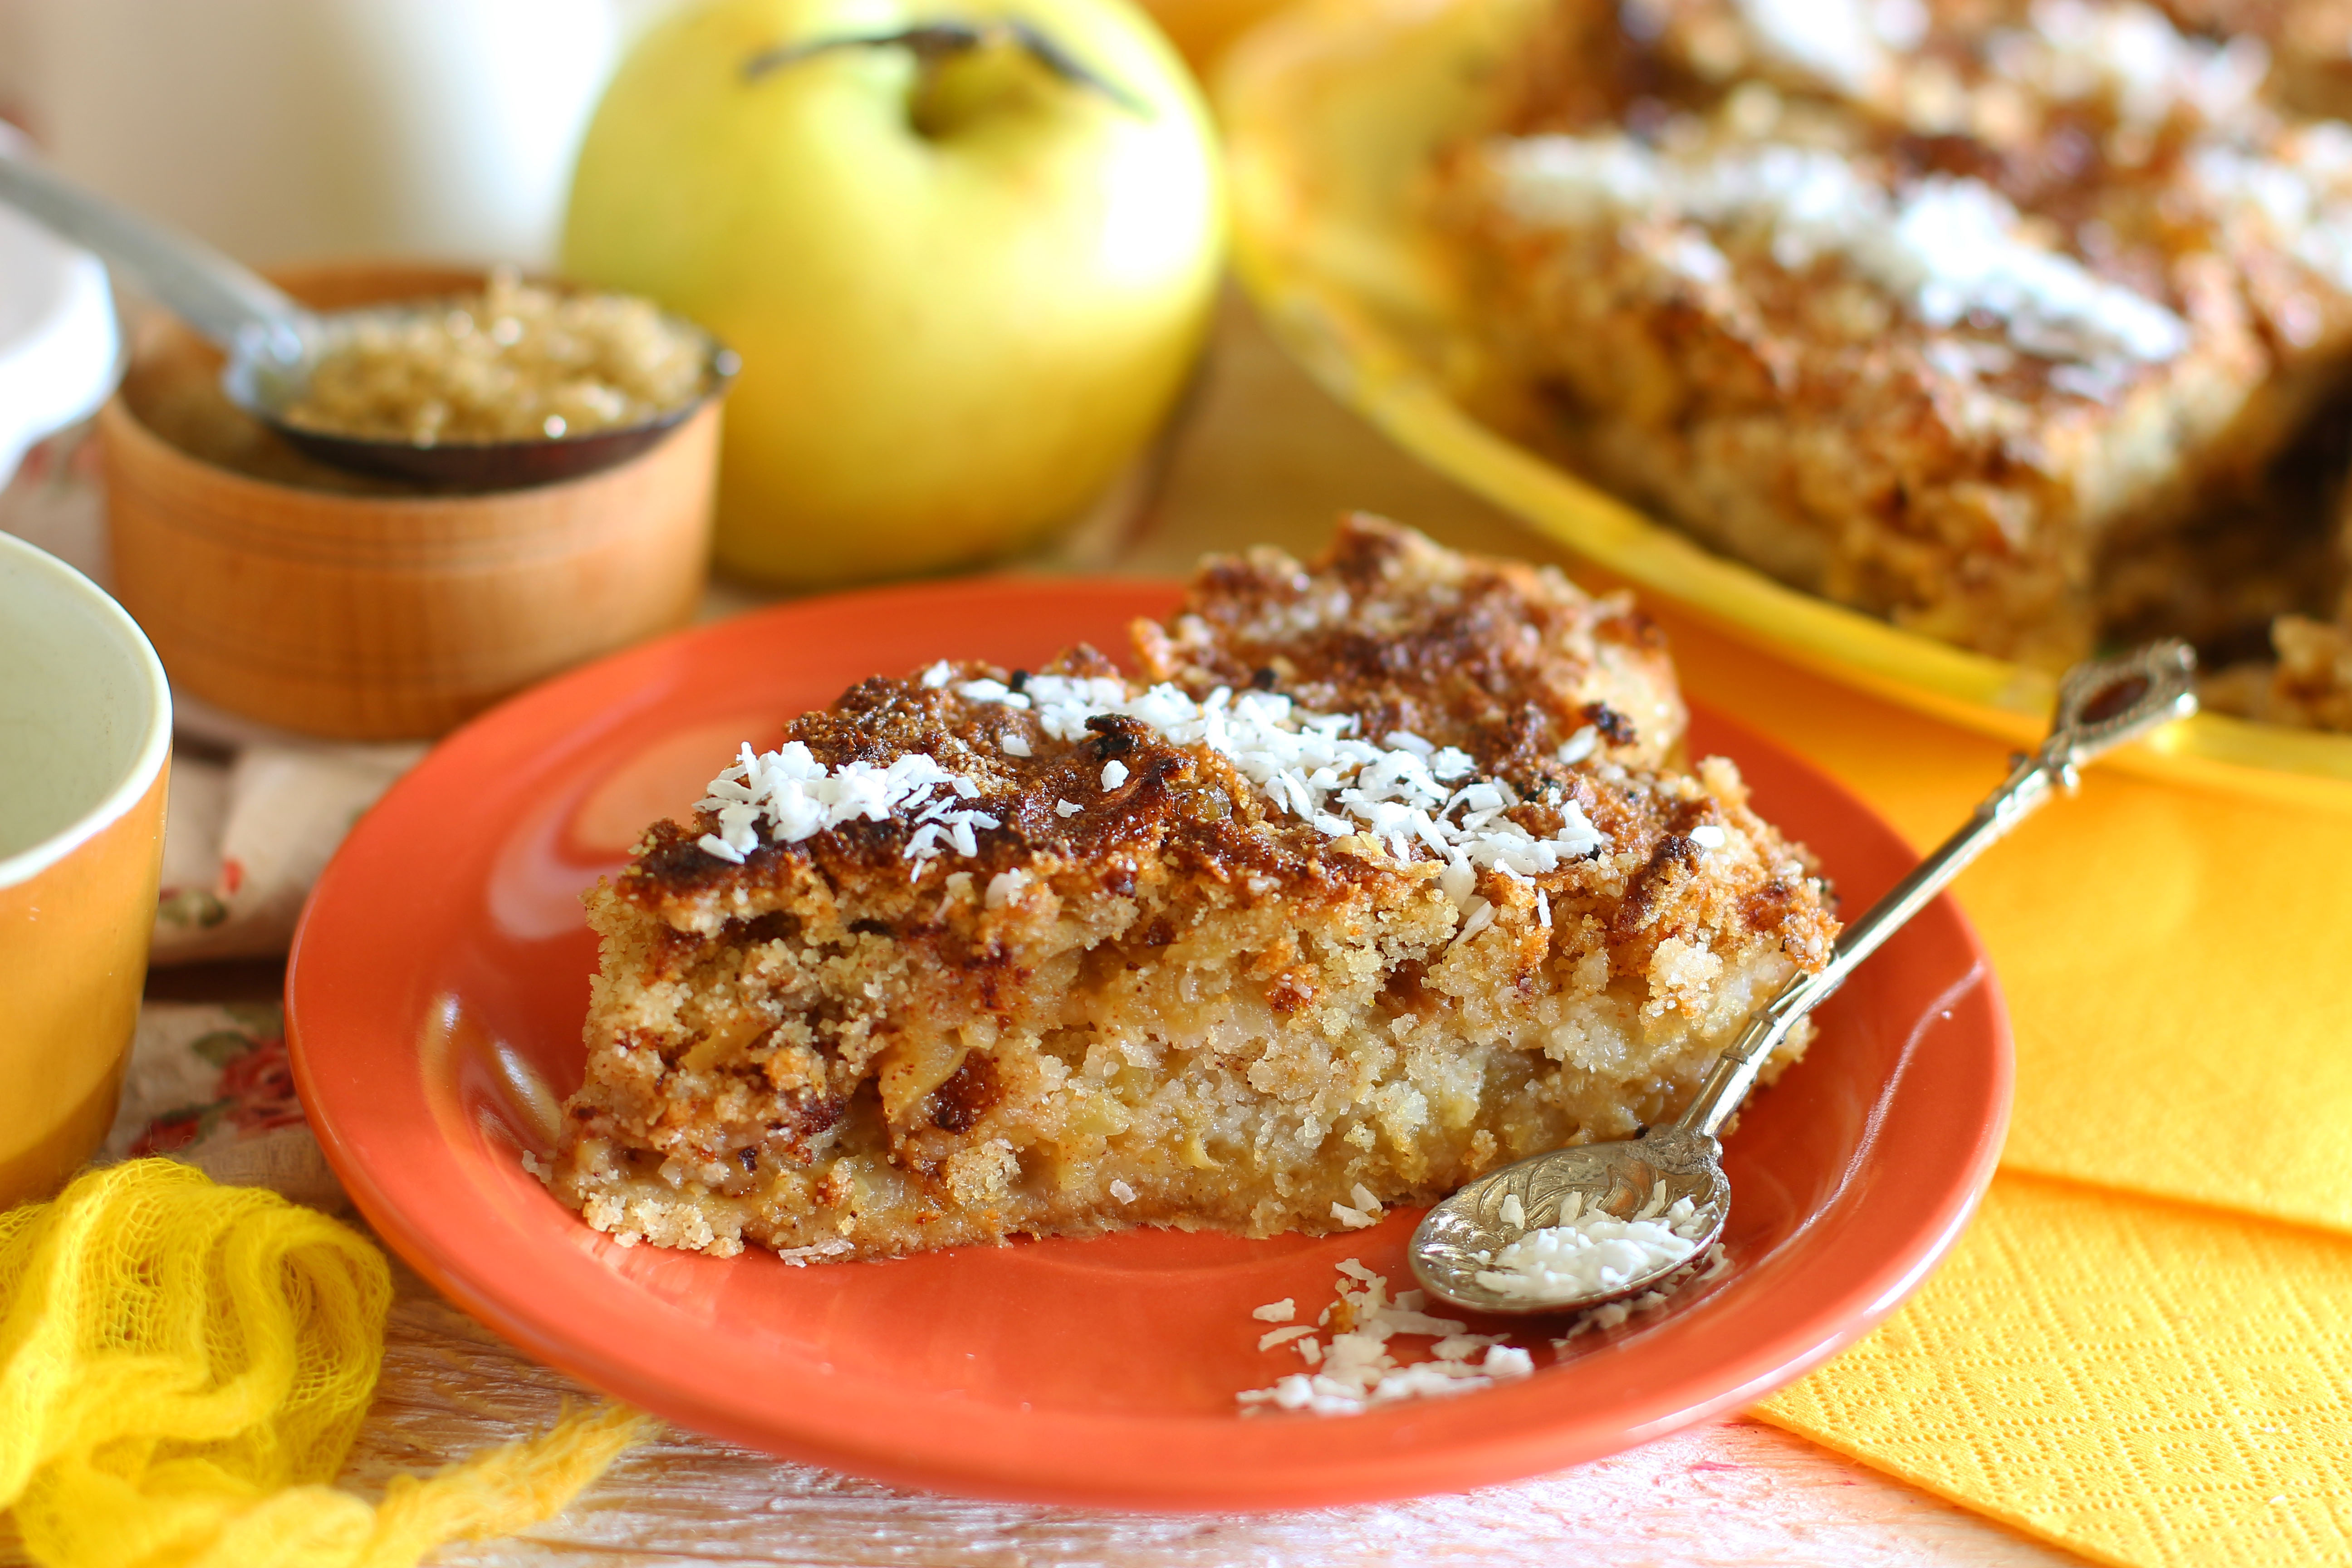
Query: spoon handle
[2100,705]
[226,302]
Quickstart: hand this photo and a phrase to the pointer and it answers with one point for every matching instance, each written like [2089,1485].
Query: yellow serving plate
[1330,113]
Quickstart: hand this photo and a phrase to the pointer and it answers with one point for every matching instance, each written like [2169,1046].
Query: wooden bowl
[358,609]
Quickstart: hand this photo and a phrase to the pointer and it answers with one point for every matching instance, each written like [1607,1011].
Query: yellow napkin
[2129,1361]
[184,1367]
[2142,1382]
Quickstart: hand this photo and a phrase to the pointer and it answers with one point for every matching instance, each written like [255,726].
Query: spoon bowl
[1457,1241]
[263,386]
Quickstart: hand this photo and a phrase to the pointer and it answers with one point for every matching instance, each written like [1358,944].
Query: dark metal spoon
[2100,705]
[272,343]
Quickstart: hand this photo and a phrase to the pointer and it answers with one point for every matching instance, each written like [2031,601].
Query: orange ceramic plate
[434,1004]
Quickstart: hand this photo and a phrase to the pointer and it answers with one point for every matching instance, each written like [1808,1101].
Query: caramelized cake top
[1502,660]
[1391,716]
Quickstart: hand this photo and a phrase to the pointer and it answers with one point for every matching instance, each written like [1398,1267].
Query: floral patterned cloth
[244,839]
[212,1086]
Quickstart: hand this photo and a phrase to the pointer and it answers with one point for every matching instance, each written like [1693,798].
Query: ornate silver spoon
[2100,705]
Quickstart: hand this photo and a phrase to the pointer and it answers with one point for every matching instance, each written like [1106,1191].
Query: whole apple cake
[2021,324]
[1376,873]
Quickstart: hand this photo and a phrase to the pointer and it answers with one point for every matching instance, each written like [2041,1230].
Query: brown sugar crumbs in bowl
[516,362]
[1378,872]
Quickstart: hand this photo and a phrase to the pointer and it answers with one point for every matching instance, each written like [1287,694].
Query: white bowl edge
[64,358]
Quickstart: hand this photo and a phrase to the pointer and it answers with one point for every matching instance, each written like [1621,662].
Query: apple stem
[935,41]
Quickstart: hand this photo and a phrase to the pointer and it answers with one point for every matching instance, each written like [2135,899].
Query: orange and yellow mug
[85,751]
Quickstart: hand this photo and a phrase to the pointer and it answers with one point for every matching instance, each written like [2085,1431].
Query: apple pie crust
[1377,873]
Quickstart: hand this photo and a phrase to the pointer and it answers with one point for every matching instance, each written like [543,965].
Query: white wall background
[281,130]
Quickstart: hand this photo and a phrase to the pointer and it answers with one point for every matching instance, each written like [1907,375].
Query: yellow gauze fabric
[2134,1378]
[184,1367]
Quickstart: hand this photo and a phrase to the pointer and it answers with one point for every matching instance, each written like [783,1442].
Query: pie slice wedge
[1375,873]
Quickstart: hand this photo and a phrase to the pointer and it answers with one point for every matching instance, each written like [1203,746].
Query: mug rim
[154,747]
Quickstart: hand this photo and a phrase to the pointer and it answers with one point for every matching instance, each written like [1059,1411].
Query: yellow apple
[965,285]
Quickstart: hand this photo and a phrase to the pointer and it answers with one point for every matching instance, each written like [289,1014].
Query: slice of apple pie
[1377,873]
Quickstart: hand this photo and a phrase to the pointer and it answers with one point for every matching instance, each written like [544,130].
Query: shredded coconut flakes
[1420,800]
[1355,1370]
[1831,40]
[798,796]
[832,1246]
[1583,1254]
[2131,57]
[1948,248]
[1366,1210]
[1609,1314]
